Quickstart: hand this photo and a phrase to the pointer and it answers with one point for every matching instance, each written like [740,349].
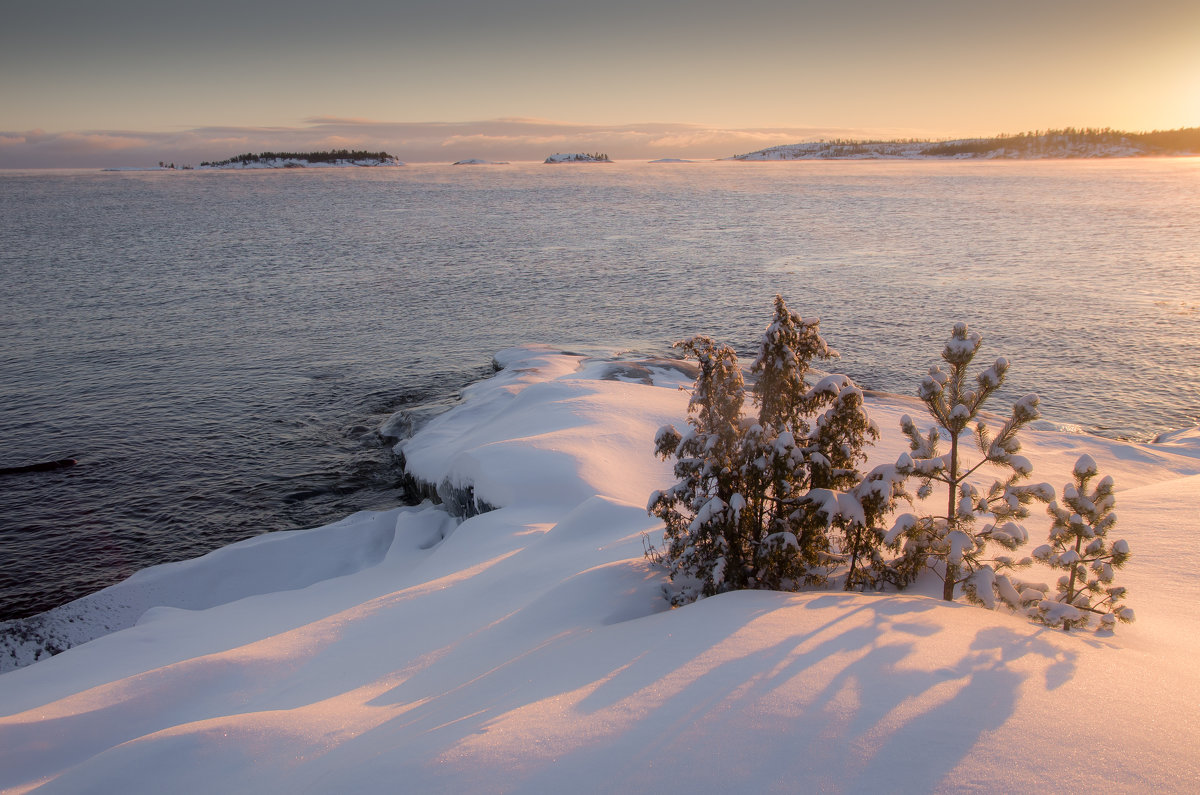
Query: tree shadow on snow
[884,692]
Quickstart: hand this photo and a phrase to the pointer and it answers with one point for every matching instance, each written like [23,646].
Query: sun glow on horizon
[765,69]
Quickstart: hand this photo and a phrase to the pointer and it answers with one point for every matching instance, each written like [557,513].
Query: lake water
[216,348]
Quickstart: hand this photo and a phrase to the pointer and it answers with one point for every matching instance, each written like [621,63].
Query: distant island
[1049,144]
[475,161]
[597,157]
[332,159]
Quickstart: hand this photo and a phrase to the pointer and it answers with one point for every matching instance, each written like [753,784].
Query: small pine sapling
[1080,547]
[954,538]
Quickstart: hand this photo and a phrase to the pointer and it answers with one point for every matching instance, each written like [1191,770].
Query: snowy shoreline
[527,647]
[1049,145]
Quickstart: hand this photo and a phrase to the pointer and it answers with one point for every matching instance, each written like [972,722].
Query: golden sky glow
[930,68]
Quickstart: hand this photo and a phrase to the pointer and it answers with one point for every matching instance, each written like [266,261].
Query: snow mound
[269,563]
[1184,442]
[529,648]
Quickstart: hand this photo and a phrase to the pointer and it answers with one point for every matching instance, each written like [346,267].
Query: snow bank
[528,648]
[263,564]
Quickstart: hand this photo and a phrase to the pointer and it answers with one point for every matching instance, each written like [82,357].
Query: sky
[129,82]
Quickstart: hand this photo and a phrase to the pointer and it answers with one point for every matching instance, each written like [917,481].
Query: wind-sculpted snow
[265,564]
[529,648]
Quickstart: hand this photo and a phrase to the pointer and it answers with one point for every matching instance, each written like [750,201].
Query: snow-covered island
[160,167]
[529,648]
[1051,144]
[475,161]
[578,157]
[341,158]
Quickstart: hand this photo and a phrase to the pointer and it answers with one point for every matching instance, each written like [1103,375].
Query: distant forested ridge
[1065,143]
[335,157]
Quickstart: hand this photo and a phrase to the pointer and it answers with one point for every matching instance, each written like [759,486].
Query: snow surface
[529,648]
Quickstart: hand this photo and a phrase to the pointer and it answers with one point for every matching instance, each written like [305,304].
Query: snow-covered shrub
[773,500]
[1079,546]
[953,539]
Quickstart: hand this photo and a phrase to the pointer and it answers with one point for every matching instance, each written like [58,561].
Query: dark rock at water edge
[45,466]
[459,501]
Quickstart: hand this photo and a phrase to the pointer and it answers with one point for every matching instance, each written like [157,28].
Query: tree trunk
[948,585]
[951,514]
[1071,582]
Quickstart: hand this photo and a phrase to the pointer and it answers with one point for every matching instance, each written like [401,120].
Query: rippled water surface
[215,348]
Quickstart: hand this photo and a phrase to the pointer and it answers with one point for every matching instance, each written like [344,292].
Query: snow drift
[528,648]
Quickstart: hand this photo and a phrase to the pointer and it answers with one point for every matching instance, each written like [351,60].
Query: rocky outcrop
[458,500]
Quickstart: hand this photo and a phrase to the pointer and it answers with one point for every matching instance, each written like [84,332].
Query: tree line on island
[1065,142]
[1039,141]
[773,497]
[332,156]
[579,157]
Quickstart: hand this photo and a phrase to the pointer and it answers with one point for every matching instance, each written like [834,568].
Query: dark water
[216,348]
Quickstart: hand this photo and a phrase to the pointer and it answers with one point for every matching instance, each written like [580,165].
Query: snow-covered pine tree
[704,548]
[776,452]
[864,537]
[801,462]
[1079,546]
[834,500]
[785,354]
[757,496]
[953,538]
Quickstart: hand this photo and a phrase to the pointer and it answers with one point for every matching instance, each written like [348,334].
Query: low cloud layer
[432,142]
